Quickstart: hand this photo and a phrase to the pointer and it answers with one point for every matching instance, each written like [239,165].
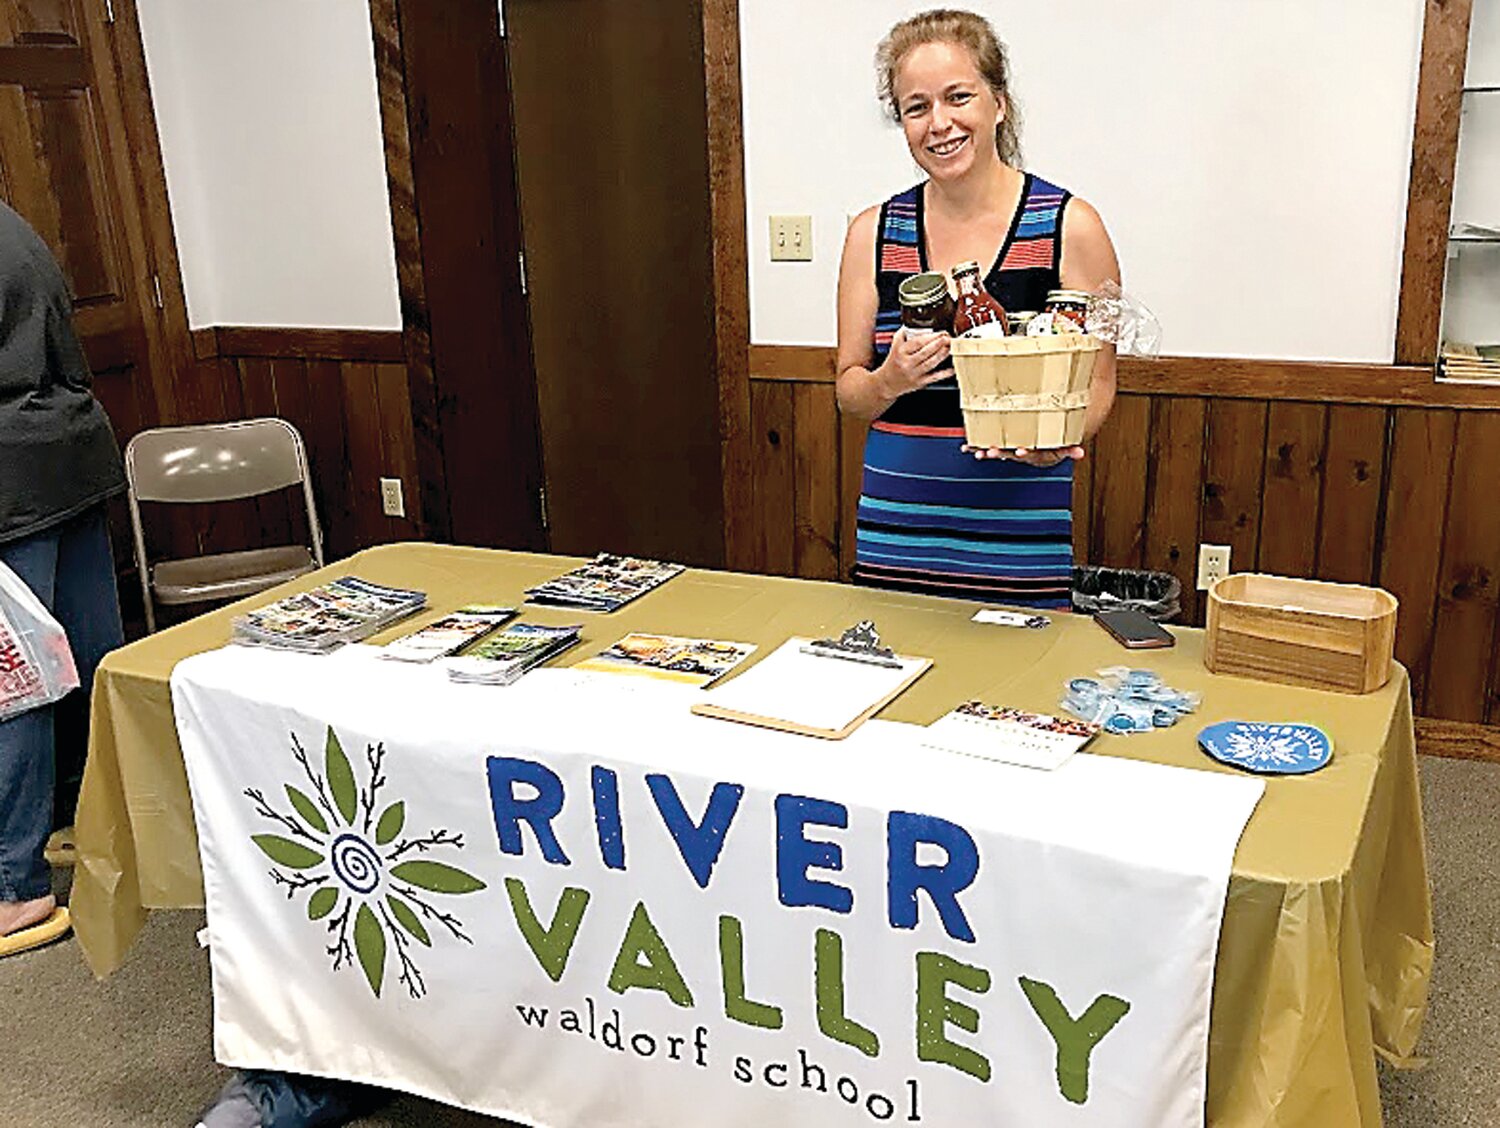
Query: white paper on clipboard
[811,691]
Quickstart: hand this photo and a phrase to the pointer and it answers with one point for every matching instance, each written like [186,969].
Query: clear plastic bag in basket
[36,664]
[1115,316]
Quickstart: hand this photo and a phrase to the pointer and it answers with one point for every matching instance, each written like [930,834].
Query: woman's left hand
[1031,457]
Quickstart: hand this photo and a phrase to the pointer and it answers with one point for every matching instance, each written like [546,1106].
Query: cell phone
[1135,630]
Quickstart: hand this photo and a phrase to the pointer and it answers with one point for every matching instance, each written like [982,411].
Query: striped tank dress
[931,518]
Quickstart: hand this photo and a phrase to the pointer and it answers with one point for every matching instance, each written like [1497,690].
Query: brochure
[501,658]
[606,583]
[448,635]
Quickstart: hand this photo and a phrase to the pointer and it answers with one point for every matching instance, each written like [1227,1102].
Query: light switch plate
[791,238]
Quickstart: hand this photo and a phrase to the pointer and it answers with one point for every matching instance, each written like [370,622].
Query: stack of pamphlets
[347,609]
[695,661]
[501,658]
[606,583]
[450,634]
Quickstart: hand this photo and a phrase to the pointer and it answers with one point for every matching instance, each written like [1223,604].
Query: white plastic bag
[36,664]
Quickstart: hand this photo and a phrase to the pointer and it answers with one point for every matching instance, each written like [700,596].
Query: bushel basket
[1024,391]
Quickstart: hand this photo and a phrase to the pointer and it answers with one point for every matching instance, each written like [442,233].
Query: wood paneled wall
[1399,494]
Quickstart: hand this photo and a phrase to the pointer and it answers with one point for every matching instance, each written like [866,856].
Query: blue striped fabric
[936,520]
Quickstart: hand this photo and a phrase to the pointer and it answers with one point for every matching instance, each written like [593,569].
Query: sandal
[35,935]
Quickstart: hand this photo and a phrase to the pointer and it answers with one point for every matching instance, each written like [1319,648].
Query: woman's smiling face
[947,109]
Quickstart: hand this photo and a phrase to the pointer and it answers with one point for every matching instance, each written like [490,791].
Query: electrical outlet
[791,238]
[392,504]
[1213,564]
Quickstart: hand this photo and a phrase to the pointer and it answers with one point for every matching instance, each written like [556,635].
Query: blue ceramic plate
[1267,748]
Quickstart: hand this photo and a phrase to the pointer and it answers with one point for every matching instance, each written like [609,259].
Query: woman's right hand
[910,363]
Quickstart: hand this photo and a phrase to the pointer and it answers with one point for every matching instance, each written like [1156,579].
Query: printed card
[1011,736]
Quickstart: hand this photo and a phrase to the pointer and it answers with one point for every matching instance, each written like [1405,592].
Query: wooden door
[445,105]
[80,160]
[613,157]
[66,164]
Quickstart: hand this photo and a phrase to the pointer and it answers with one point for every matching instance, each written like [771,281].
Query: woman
[59,465]
[936,516]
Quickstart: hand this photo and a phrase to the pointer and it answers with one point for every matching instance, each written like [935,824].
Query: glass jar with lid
[926,305]
[1070,304]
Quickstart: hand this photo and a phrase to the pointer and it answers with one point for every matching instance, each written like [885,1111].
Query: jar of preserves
[975,313]
[926,305]
[1017,322]
[1070,304]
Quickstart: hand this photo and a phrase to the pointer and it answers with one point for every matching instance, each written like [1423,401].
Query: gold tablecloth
[1326,950]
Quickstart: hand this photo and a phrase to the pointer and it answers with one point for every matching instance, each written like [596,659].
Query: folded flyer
[694,661]
[448,635]
[1011,736]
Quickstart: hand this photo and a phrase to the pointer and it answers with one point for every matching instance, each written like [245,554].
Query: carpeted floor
[133,1051]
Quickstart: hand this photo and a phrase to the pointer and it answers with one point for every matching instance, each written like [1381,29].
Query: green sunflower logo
[358,869]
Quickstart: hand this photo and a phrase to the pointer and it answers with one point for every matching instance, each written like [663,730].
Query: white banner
[572,902]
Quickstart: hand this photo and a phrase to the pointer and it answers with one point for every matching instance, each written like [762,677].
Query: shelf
[1481,89]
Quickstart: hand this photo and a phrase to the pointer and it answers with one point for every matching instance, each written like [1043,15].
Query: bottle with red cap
[976,313]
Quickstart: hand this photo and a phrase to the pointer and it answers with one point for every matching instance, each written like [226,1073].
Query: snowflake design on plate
[1270,748]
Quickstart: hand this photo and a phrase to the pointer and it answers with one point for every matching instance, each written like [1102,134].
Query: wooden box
[1024,391]
[1301,632]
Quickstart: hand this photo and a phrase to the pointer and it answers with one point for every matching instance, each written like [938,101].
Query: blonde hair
[971,32]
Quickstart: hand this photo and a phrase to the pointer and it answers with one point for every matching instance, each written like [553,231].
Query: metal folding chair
[209,463]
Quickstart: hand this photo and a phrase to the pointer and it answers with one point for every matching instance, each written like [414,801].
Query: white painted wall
[1250,159]
[270,131]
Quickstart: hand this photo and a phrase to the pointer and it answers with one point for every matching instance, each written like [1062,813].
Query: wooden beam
[1429,198]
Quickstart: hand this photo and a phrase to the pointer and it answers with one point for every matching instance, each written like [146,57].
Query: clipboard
[796,688]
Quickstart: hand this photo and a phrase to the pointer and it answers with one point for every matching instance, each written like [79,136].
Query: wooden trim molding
[44,66]
[1302,381]
[1429,199]
[1216,377]
[1458,740]
[731,280]
[390,74]
[171,347]
[376,346]
[205,343]
[800,363]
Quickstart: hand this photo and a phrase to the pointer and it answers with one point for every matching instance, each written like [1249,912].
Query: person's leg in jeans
[71,570]
[87,606]
[27,767]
